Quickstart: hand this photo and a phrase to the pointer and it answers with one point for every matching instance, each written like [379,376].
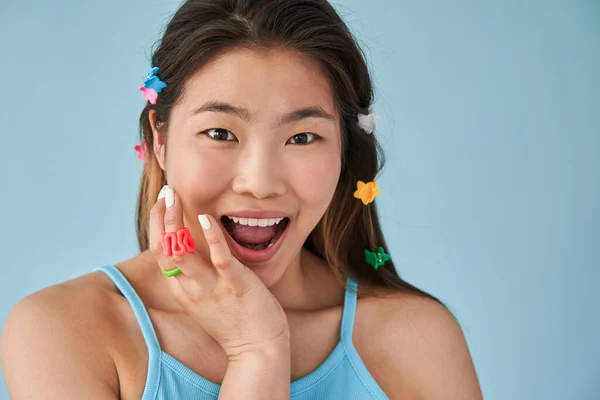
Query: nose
[259,173]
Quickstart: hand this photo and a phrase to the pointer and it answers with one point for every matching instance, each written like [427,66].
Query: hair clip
[367,191]
[368,122]
[142,150]
[152,85]
[376,258]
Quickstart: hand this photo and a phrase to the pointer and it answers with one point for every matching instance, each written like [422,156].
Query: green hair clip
[376,258]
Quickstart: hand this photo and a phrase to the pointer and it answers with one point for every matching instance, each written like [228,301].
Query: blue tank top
[342,375]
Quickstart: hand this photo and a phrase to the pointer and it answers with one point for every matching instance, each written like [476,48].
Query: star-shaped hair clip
[376,258]
[152,85]
[367,191]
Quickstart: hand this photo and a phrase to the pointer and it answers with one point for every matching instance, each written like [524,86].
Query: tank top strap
[141,314]
[350,301]
[143,320]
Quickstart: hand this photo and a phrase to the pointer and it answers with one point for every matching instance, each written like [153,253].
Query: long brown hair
[200,30]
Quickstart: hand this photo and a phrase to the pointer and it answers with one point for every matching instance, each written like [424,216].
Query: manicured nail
[205,222]
[169,196]
[161,194]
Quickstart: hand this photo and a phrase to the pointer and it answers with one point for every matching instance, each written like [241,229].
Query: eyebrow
[244,113]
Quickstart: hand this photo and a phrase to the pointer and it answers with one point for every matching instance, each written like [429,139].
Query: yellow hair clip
[366,191]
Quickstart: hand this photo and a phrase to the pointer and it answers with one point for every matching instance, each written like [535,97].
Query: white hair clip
[368,122]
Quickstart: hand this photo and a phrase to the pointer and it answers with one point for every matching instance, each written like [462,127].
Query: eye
[304,138]
[220,134]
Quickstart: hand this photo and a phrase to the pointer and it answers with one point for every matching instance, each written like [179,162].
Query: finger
[227,266]
[174,211]
[156,227]
[173,222]
[191,264]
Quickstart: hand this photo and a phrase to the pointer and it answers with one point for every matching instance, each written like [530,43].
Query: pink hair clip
[142,150]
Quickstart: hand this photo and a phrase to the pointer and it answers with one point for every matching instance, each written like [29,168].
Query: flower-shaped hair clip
[368,122]
[152,86]
[142,150]
[366,191]
[376,258]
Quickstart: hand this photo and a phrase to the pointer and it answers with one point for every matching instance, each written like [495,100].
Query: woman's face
[237,144]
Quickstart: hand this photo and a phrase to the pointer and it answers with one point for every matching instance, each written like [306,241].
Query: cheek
[199,175]
[317,182]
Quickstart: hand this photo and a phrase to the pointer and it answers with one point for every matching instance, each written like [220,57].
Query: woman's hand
[229,300]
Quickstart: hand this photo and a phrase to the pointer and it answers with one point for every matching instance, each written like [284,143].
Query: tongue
[252,234]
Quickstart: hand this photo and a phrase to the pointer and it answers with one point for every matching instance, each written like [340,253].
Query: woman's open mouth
[255,239]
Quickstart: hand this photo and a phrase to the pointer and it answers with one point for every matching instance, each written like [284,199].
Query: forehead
[264,81]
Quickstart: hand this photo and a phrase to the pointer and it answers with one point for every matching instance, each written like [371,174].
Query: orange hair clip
[366,191]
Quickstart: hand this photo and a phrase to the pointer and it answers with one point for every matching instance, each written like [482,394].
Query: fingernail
[161,194]
[205,222]
[169,196]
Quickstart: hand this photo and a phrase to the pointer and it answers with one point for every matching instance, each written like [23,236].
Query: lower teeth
[255,247]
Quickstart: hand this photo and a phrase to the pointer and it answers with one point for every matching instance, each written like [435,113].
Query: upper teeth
[255,221]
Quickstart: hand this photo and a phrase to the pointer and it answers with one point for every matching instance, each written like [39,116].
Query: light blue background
[490,116]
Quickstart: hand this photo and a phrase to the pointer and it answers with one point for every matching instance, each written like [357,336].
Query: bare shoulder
[57,341]
[421,349]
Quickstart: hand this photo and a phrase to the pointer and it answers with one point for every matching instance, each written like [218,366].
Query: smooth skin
[79,339]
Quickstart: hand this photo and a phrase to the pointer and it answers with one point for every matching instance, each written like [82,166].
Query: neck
[306,284]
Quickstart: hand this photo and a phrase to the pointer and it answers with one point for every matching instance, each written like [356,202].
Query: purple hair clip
[152,85]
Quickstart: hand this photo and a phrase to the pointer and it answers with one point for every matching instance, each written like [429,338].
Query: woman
[262,259]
